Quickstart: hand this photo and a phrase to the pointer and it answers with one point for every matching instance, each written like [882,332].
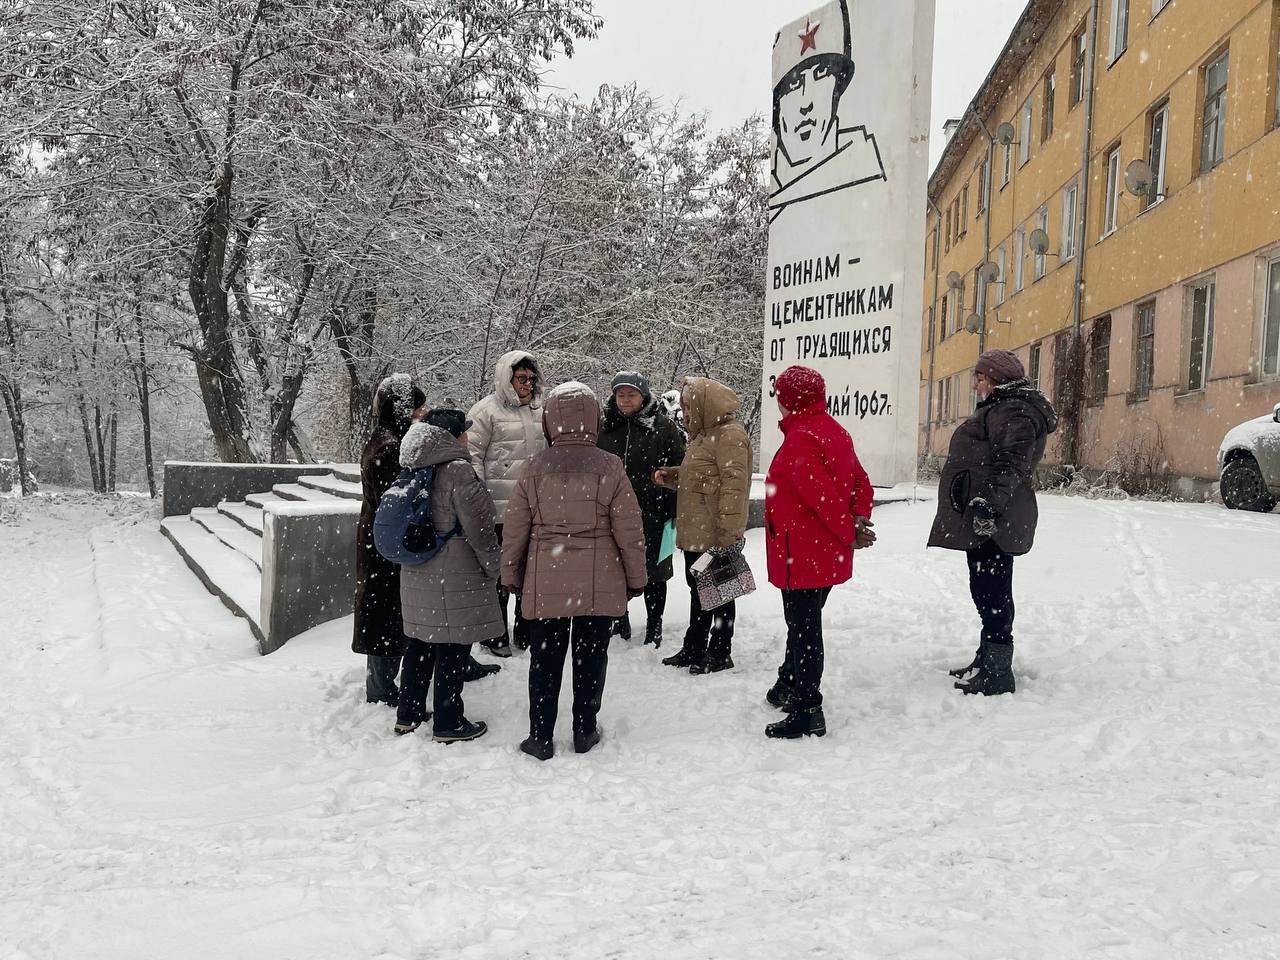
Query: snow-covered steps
[334,485]
[260,500]
[228,574]
[296,491]
[248,516]
[230,533]
[347,472]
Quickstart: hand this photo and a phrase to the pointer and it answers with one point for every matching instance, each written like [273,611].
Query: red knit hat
[799,388]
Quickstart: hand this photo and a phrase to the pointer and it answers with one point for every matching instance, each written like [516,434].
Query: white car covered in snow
[1249,464]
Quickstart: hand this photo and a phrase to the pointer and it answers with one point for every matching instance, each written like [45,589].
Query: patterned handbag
[728,577]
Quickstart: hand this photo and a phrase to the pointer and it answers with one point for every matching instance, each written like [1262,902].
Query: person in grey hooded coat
[987,505]
[449,602]
[505,432]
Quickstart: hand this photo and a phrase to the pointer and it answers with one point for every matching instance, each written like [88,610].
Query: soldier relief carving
[817,150]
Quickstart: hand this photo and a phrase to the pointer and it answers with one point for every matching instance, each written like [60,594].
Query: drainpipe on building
[1072,446]
[933,333]
[986,229]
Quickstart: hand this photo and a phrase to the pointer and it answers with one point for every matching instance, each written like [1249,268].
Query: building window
[984,187]
[1144,349]
[957,308]
[1069,196]
[1019,252]
[1271,323]
[1200,334]
[1046,109]
[1037,260]
[1079,60]
[1213,127]
[1008,164]
[1158,139]
[964,210]
[1112,209]
[942,320]
[1275,88]
[1119,28]
[1000,278]
[1099,360]
[1033,366]
[948,227]
[1157,6]
[946,399]
[1024,138]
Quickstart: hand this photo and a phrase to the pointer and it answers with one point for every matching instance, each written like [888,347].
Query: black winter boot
[995,672]
[538,749]
[583,742]
[475,670]
[622,627]
[653,633]
[466,731]
[681,658]
[711,665]
[779,696]
[801,722]
[959,672]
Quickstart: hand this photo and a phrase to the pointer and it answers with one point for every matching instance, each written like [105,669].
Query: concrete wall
[308,567]
[188,485]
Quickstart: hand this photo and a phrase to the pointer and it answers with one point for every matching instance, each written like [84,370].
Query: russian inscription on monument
[847,205]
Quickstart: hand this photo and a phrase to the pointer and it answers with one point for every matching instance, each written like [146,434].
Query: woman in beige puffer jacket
[574,549]
[713,485]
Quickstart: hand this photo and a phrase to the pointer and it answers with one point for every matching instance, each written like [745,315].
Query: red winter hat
[798,388]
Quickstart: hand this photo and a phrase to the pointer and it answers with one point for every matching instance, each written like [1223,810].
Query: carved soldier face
[806,112]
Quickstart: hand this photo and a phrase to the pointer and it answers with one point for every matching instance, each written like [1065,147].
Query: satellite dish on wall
[989,272]
[1005,134]
[954,280]
[974,323]
[1039,242]
[1138,177]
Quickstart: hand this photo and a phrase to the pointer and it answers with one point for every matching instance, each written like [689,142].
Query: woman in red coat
[817,510]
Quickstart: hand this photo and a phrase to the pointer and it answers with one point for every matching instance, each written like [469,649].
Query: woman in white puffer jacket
[506,431]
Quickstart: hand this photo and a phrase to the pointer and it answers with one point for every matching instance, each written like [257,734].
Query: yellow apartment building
[1141,137]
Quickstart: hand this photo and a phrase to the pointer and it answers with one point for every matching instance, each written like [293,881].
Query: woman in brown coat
[449,602]
[573,547]
[713,486]
[379,632]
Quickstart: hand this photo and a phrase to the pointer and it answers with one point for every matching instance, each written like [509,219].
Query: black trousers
[446,662]
[380,680]
[991,585]
[521,626]
[710,632]
[801,670]
[550,640]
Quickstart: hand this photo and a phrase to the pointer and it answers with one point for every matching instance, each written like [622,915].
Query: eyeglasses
[524,378]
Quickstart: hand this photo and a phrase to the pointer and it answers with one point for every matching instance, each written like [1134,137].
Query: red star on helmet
[808,39]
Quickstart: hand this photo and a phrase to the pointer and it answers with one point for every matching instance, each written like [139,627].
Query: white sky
[714,55]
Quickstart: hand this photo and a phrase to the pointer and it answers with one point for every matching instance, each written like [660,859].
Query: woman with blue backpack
[449,599]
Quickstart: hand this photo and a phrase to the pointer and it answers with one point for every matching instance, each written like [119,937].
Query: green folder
[668,546]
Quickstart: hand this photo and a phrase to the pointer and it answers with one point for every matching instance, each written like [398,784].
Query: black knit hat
[447,418]
[634,379]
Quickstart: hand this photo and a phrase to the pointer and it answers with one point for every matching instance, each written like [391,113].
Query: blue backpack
[402,527]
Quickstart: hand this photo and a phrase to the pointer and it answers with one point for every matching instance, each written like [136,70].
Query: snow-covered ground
[166,793]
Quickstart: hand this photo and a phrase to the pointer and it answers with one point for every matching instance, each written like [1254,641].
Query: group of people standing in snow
[562,511]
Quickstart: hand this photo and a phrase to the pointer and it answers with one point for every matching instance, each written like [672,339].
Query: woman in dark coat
[379,630]
[635,428]
[987,505]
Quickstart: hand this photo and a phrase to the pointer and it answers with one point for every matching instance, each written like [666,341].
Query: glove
[984,517]
[633,592]
[863,536]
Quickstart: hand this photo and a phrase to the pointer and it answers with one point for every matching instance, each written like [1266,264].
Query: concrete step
[296,492]
[227,573]
[260,500]
[347,472]
[248,516]
[334,486]
[230,533]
